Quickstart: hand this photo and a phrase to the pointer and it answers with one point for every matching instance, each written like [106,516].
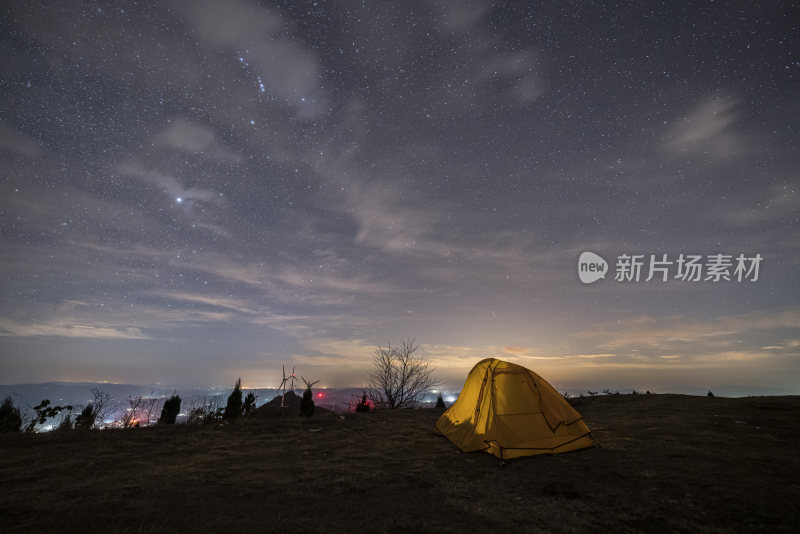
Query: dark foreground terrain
[665,463]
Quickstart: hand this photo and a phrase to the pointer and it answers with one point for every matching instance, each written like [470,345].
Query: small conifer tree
[307,404]
[233,410]
[170,410]
[440,402]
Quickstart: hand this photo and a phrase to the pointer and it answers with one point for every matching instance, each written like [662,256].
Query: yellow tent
[510,411]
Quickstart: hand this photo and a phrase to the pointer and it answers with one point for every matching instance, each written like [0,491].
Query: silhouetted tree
[104,406]
[233,410]
[44,412]
[398,378]
[140,411]
[440,402]
[710,394]
[66,424]
[10,418]
[205,410]
[94,413]
[85,420]
[307,404]
[249,404]
[170,410]
[363,406]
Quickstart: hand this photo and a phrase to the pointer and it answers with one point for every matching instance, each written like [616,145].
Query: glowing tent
[510,411]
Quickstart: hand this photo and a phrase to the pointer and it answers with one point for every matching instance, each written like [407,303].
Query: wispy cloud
[708,129]
[19,143]
[767,205]
[187,136]
[257,35]
[461,15]
[690,335]
[517,74]
[167,183]
[96,330]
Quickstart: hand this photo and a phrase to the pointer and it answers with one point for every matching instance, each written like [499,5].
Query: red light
[319,395]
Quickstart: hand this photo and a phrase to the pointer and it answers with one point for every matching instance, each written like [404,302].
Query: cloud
[456,358]
[168,183]
[256,34]
[148,319]
[184,135]
[461,15]
[97,330]
[352,349]
[776,204]
[349,356]
[385,219]
[19,143]
[244,311]
[691,335]
[516,74]
[317,286]
[707,130]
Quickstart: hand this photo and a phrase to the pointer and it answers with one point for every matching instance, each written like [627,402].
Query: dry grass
[665,464]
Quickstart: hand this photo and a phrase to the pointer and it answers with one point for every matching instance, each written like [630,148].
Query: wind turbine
[307,406]
[291,378]
[311,384]
[283,384]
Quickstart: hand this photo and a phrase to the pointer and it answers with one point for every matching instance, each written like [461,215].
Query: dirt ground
[664,463]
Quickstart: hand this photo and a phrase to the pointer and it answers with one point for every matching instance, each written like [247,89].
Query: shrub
[233,410]
[140,411]
[363,406]
[85,420]
[170,410]
[66,424]
[10,418]
[205,410]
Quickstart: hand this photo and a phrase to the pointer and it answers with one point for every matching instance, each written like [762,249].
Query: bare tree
[94,413]
[398,378]
[104,405]
[140,412]
[205,410]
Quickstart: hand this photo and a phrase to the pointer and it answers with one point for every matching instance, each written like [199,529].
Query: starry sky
[196,191]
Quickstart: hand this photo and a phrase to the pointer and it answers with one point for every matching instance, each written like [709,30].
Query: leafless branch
[398,378]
